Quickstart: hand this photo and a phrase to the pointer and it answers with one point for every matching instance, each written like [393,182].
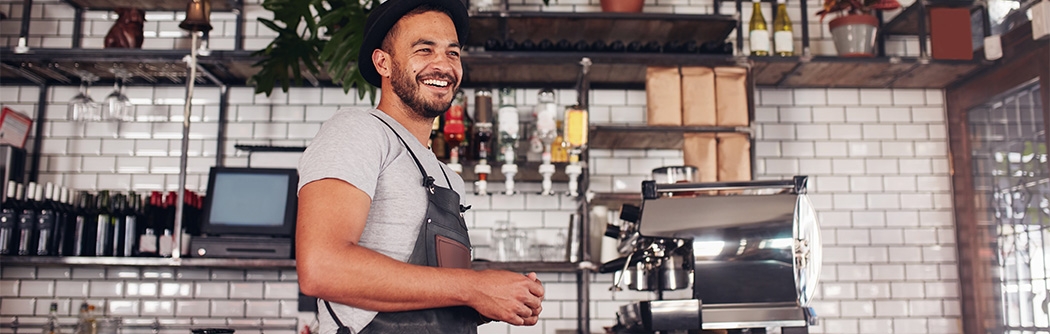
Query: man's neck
[418,126]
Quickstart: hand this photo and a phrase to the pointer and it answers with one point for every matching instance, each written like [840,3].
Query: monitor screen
[250,201]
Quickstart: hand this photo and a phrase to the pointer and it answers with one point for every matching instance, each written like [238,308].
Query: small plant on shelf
[854,32]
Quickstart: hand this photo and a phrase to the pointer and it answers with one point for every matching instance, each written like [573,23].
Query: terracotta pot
[623,6]
[854,35]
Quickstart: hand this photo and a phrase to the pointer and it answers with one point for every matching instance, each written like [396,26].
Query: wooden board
[159,5]
[608,27]
[646,137]
[858,74]
[769,73]
[935,75]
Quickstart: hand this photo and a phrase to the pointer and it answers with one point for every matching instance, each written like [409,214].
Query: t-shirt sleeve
[348,147]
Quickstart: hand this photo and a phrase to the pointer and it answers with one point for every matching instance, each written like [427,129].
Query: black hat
[382,18]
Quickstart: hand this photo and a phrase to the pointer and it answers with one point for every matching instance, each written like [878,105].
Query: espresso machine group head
[749,259]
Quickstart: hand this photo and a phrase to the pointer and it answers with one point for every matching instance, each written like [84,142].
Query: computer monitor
[250,202]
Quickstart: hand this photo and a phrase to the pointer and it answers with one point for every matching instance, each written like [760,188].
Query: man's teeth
[434,82]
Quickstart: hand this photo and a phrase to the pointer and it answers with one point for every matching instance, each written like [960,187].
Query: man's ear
[382,60]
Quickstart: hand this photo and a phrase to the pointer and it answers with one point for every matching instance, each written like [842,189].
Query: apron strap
[427,180]
[342,329]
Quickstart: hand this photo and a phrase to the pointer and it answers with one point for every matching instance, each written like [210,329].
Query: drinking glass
[117,106]
[82,107]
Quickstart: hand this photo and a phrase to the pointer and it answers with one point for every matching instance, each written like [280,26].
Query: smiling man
[380,238]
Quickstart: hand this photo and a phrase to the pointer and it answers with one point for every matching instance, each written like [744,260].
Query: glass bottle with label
[509,133]
[46,222]
[576,127]
[758,31]
[9,219]
[783,38]
[27,222]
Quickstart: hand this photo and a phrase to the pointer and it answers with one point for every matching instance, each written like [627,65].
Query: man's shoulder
[353,117]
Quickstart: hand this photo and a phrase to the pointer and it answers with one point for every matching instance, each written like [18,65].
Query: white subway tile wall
[877,158]
[878,179]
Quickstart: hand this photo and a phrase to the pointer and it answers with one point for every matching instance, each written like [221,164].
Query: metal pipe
[38,136]
[805,29]
[191,79]
[881,39]
[220,147]
[23,34]
[78,26]
[739,28]
[238,33]
[923,54]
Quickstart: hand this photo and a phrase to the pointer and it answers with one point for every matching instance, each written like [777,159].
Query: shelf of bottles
[526,144]
[50,221]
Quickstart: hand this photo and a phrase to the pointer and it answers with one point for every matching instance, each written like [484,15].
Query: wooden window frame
[1023,60]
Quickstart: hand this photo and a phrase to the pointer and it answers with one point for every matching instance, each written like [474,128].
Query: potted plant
[622,6]
[312,36]
[854,32]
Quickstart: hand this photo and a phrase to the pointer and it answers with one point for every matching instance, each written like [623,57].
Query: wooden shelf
[648,137]
[609,27]
[840,72]
[150,5]
[241,263]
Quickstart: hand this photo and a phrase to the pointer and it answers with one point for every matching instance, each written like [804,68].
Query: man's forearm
[356,276]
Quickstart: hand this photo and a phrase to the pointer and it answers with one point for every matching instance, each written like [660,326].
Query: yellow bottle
[759,33]
[576,127]
[783,37]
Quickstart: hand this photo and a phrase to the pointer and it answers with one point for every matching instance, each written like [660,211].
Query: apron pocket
[451,253]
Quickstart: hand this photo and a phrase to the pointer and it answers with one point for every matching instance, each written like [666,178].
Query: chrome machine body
[751,258]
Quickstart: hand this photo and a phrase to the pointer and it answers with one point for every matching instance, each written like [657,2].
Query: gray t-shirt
[355,147]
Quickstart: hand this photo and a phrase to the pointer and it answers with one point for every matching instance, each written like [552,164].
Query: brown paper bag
[731,91]
[734,157]
[698,96]
[700,151]
[663,90]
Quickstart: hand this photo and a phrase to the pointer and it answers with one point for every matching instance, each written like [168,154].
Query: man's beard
[407,88]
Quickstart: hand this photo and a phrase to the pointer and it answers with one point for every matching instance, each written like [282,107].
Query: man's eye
[453,53]
[423,50]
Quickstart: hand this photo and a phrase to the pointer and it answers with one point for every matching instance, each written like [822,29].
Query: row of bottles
[783,38]
[86,320]
[45,220]
[564,45]
[552,134]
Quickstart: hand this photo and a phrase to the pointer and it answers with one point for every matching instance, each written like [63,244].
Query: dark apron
[442,242]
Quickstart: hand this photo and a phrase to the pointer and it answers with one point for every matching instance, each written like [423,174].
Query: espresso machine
[742,261]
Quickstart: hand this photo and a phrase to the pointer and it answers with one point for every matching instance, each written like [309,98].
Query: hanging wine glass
[117,106]
[82,107]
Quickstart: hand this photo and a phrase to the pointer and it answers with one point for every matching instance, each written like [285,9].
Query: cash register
[248,213]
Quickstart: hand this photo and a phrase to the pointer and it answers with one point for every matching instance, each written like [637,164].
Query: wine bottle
[510,45]
[759,32]
[9,219]
[581,46]
[66,222]
[86,230]
[116,218]
[131,226]
[783,39]
[652,47]
[493,44]
[528,45]
[104,225]
[437,141]
[545,45]
[46,219]
[563,45]
[599,46]
[27,222]
[635,46]
[617,46]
